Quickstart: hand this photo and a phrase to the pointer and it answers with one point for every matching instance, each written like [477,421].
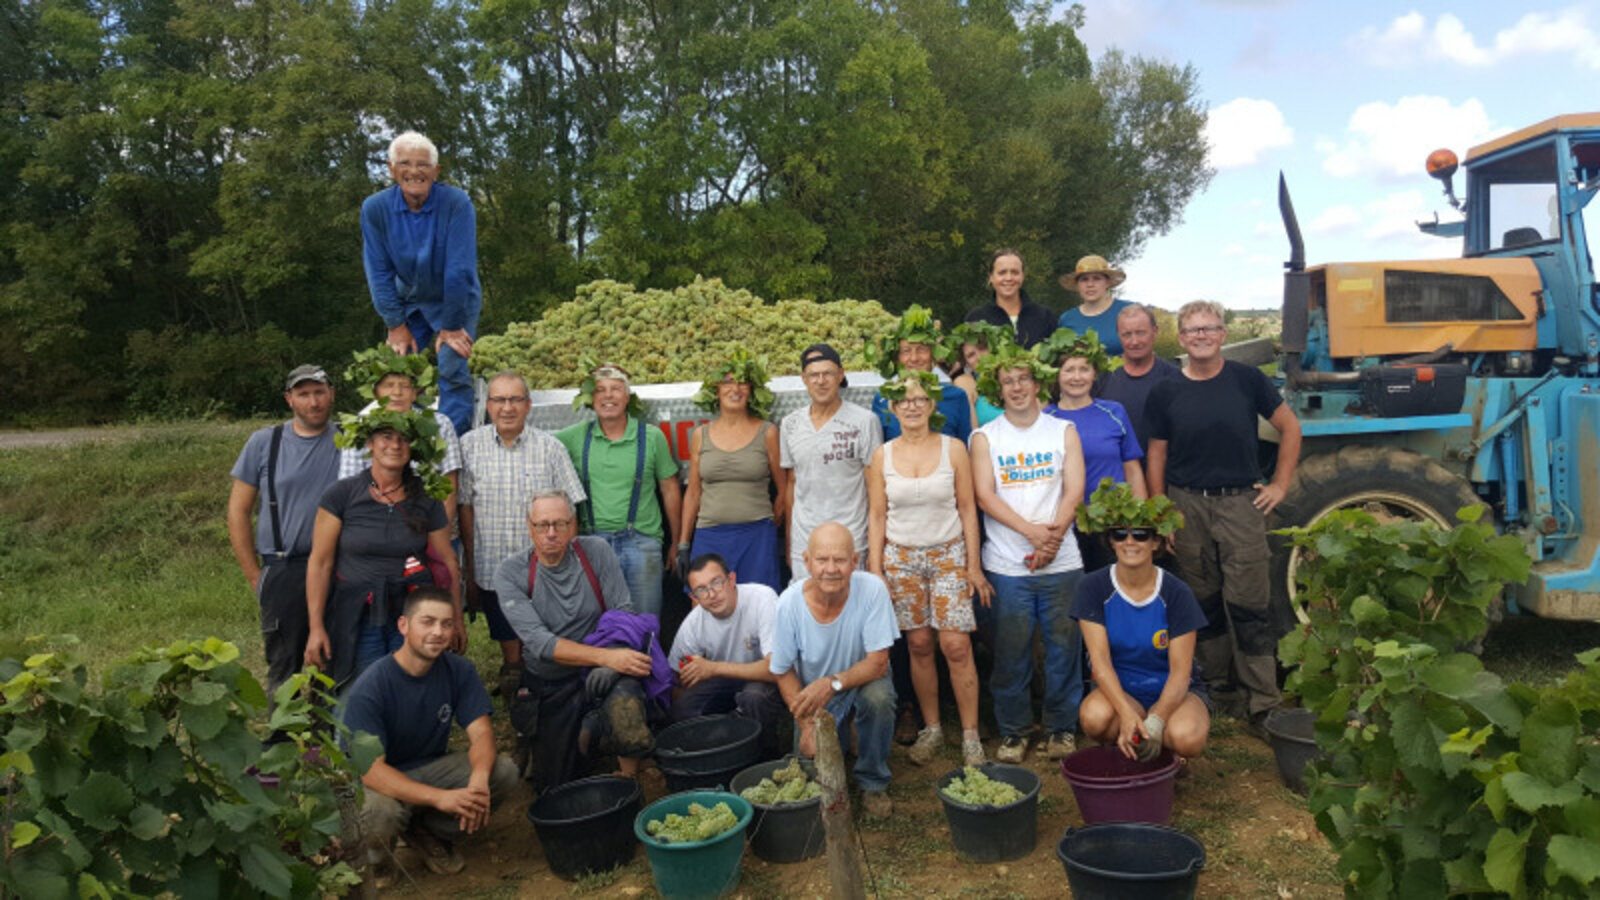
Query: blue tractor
[1429,385]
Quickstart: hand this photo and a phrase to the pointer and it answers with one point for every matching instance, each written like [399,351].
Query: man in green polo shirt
[625,466]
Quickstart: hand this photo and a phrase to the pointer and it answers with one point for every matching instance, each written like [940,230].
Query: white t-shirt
[745,636]
[1026,463]
[829,465]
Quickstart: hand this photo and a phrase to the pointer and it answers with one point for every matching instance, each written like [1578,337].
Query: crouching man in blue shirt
[408,701]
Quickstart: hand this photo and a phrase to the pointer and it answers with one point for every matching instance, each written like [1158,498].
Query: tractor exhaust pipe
[1296,292]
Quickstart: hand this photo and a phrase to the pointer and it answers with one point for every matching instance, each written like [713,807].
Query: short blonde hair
[417,139]
[1198,307]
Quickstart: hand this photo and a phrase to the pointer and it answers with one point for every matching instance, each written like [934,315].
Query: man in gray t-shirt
[272,553]
[828,444]
[548,594]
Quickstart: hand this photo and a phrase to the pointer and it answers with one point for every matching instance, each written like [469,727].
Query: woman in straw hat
[1093,279]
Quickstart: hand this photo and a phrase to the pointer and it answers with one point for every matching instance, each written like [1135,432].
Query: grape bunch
[787,785]
[678,335]
[701,824]
[977,789]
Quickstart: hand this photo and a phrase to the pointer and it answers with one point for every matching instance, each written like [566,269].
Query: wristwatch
[836,684]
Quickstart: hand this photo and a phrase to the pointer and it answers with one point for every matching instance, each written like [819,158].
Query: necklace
[383,494]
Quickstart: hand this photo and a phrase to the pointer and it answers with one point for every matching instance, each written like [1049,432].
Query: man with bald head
[830,651]
[503,469]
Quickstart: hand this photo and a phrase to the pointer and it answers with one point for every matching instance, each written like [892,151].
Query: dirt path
[1259,840]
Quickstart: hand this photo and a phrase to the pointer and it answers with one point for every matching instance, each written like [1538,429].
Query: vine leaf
[1503,862]
[1532,793]
[1576,857]
[101,801]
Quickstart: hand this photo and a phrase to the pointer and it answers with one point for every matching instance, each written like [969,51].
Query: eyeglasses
[507,401]
[551,525]
[821,374]
[913,403]
[1201,329]
[705,591]
[1017,382]
[1139,534]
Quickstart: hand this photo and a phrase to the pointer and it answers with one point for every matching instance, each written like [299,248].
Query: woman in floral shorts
[923,541]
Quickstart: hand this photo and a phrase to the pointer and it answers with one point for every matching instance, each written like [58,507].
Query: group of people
[565,539]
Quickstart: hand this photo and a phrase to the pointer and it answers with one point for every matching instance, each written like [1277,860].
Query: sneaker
[1012,749]
[905,727]
[876,804]
[929,741]
[438,854]
[972,753]
[1060,746]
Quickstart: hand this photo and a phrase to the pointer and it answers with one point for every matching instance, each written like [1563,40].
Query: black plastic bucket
[1116,860]
[787,833]
[995,833]
[1292,733]
[587,826]
[707,751]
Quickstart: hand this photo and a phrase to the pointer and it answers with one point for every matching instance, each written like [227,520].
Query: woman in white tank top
[922,535]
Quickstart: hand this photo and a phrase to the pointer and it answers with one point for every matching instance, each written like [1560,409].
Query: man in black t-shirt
[409,701]
[1202,454]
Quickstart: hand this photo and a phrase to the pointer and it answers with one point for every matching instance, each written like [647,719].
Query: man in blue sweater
[420,248]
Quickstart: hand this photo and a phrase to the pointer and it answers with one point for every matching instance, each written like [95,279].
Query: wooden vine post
[845,865]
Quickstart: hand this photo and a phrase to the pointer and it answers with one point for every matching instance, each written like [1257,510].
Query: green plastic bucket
[707,868]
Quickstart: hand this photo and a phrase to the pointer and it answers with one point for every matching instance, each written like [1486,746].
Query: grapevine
[701,824]
[977,789]
[683,334]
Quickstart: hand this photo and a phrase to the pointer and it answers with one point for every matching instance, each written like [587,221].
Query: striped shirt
[499,483]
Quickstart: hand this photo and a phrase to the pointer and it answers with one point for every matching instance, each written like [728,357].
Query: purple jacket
[625,629]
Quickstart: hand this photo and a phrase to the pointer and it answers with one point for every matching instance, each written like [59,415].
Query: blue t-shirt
[411,716]
[1139,632]
[957,414]
[800,642]
[1107,437]
[1103,325]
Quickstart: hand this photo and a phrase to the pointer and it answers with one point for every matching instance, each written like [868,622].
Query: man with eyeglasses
[1141,369]
[503,468]
[828,445]
[1203,454]
[575,697]
[723,650]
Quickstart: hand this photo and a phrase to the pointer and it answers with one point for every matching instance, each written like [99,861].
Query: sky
[1346,99]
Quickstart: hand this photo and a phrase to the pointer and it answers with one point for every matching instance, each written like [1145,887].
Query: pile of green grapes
[977,789]
[787,785]
[677,335]
[701,824]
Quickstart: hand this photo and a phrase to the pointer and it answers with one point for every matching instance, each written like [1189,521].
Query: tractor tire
[1389,484]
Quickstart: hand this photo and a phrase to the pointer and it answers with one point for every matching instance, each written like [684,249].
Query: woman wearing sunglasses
[1139,625]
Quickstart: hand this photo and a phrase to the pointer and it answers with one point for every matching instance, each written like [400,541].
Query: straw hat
[1093,265]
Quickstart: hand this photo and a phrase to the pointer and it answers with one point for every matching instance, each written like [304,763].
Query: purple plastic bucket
[1110,787]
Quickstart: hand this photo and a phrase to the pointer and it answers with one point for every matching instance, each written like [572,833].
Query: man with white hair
[420,248]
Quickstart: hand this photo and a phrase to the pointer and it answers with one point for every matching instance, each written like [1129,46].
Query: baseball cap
[307,372]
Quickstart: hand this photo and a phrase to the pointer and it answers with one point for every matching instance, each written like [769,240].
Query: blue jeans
[374,643]
[639,555]
[873,706]
[1021,604]
[458,397]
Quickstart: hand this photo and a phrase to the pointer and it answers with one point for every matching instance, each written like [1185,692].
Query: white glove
[1150,747]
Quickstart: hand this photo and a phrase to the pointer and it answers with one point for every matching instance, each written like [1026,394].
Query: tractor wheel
[1388,484]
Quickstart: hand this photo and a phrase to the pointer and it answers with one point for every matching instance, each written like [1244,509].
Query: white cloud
[1341,218]
[1389,141]
[1239,131]
[1409,40]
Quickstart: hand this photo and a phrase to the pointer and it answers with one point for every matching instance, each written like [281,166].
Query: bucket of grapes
[993,811]
[787,826]
[695,841]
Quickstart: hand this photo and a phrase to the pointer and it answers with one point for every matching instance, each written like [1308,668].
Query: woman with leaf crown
[1139,624]
[728,505]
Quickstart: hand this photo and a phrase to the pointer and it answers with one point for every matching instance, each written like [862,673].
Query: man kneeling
[830,650]
[407,701]
[723,650]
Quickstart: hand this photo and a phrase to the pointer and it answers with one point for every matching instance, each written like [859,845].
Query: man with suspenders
[287,466]
[574,696]
[624,465]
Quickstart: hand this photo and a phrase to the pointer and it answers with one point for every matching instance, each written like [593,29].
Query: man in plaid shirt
[504,468]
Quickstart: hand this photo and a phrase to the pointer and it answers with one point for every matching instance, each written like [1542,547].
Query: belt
[1219,491]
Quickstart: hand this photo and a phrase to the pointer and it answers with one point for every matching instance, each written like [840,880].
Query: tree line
[180,180]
